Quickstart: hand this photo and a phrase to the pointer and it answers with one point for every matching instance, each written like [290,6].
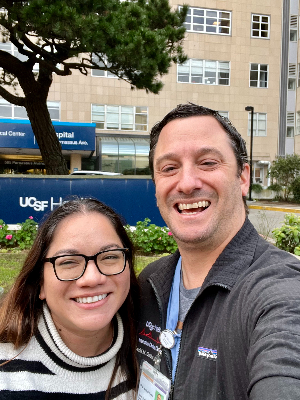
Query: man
[228,302]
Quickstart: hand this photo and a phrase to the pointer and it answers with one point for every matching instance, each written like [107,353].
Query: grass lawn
[11,263]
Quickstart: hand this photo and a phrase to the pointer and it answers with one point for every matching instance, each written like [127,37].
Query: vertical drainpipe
[285,39]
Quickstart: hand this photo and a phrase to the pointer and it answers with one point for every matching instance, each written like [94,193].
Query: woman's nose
[92,276]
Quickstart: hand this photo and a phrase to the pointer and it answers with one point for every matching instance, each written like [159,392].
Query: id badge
[153,384]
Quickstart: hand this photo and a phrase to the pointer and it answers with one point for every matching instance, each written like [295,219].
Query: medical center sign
[39,205]
[72,135]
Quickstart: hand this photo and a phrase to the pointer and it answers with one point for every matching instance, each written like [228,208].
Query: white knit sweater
[48,369]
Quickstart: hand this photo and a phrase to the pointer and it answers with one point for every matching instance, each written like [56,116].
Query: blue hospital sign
[71,135]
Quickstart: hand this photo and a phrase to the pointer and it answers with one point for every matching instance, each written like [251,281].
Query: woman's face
[84,234]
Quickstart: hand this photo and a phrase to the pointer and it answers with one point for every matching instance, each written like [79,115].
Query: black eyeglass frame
[52,260]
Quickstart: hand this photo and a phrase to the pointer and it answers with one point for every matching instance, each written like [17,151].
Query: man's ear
[245,180]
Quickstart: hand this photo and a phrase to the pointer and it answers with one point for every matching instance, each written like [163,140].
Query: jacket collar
[235,258]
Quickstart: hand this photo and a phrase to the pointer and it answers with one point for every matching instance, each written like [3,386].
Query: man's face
[198,191]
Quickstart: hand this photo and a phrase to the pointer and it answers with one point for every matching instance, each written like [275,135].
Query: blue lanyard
[173,314]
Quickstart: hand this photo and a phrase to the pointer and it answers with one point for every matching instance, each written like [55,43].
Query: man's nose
[189,179]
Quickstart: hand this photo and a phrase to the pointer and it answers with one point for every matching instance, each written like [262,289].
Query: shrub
[295,187]
[256,187]
[26,235]
[150,238]
[284,170]
[287,237]
[275,187]
[7,238]
[22,238]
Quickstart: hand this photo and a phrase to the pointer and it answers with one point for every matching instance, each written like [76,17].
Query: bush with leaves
[26,235]
[287,237]
[276,188]
[150,238]
[7,238]
[295,188]
[22,238]
[284,170]
[257,187]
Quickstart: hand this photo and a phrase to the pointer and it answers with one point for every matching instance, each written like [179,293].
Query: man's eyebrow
[166,156]
[201,152]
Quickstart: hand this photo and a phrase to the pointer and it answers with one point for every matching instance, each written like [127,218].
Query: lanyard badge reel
[153,384]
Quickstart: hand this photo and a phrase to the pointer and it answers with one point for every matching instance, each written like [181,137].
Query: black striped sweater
[48,369]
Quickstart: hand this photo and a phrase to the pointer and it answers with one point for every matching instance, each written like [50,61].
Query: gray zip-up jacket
[241,336]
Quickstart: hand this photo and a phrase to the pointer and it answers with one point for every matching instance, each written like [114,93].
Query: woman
[67,325]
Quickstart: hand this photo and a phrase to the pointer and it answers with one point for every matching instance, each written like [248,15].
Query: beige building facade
[240,53]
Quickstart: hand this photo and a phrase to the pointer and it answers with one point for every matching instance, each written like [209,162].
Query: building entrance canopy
[72,136]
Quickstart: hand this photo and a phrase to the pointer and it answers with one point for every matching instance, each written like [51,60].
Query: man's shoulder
[267,253]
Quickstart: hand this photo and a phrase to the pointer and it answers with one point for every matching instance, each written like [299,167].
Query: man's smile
[192,208]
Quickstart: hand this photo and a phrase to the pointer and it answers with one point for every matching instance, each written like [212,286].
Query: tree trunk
[46,138]
[36,92]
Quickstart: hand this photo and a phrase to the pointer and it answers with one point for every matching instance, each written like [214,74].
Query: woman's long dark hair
[21,307]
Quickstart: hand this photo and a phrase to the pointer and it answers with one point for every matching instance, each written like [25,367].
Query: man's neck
[195,267]
[198,259]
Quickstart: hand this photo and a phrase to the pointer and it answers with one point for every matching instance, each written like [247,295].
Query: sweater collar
[53,340]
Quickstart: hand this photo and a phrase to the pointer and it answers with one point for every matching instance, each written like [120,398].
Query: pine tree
[135,40]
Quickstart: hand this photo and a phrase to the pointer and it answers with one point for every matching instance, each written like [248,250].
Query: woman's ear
[42,295]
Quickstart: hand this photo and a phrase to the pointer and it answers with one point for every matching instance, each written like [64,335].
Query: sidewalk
[274,206]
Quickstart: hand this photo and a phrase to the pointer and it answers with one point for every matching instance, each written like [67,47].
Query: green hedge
[22,238]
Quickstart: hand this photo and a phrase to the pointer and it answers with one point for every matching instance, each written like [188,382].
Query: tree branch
[18,101]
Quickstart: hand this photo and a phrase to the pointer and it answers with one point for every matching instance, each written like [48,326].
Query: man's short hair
[238,144]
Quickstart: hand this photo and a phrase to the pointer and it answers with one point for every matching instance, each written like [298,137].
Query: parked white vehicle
[83,172]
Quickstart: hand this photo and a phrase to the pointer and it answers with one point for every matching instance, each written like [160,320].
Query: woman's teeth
[89,300]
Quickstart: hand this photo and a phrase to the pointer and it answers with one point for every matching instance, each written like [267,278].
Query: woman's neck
[90,345]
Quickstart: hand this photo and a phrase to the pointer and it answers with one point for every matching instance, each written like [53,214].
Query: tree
[136,40]
[285,170]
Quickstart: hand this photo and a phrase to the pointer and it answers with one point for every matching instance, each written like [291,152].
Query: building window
[259,75]
[290,124]
[298,123]
[202,20]
[292,77]
[99,72]
[127,118]
[8,110]
[258,175]
[293,28]
[204,71]
[224,113]
[10,48]
[260,26]
[54,110]
[259,124]
[126,155]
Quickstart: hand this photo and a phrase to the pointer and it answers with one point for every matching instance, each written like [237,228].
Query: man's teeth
[201,204]
[90,299]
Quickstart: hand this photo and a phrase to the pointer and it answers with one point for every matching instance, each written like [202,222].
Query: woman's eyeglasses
[71,267]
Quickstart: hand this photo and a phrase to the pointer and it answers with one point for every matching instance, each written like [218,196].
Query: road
[265,220]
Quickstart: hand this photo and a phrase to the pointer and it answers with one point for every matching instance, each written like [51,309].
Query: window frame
[255,123]
[121,119]
[106,74]
[14,52]
[205,69]
[259,30]
[205,17]
[14,108]
[258,76]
